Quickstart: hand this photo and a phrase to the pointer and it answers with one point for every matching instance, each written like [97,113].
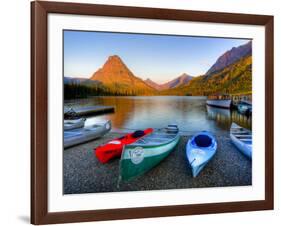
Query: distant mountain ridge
[231,73]
[179,81]
[153,84]
[230,57]
[233,79]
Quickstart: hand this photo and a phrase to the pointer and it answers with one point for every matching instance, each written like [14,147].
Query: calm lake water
[190,113]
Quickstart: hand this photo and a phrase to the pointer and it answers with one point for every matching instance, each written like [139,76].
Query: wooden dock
[242,97]
[91,110]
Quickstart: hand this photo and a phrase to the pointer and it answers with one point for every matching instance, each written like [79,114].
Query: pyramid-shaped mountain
[119,79]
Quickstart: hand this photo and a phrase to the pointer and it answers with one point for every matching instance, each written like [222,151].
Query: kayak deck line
[192,161]
[246,139]
[241,133]
[244,135]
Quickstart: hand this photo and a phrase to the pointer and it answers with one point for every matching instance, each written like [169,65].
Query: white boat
[221,101]
[73,124]
[82,135]
[242,139]
[200,149]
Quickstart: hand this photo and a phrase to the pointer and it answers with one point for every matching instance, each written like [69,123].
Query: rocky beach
[83,173]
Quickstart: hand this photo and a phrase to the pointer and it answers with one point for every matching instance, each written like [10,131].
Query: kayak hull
[113,148]
[83,135]
[73,124]
[242,139]
[137,159]
[198,156]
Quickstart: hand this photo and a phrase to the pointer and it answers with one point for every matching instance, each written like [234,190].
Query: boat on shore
[144,154]
[73,124]
[200,149]
[83,135]
[244,107]
[242,139]
[220,101]
[71,114]
[113,148]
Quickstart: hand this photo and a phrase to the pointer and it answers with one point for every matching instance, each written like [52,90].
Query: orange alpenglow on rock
[116,75]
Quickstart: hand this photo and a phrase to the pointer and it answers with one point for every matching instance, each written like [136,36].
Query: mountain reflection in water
[190,113]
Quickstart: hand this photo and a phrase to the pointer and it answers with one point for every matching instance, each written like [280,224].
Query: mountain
[153,84]
[230,57]
[230,74]
[234,79]
[179,81]
[119,79]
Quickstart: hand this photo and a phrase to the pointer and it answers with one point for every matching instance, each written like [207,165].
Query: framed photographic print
[145,112]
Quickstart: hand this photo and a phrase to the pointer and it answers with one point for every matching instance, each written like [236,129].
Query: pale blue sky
[158,57]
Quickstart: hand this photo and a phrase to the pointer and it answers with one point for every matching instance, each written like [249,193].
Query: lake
[190,113]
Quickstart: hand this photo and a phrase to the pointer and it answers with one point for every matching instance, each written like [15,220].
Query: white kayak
[200,149]
[82,135]
[242,139]
[73,124]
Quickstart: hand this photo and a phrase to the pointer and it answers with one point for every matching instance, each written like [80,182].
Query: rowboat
[82,135]
[242,139]
[144,154]
[73,124]
[200,149]
[113,148]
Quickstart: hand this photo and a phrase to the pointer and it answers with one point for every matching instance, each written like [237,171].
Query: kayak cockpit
[203,140]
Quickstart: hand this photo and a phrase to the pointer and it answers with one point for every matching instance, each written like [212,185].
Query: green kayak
[141,156]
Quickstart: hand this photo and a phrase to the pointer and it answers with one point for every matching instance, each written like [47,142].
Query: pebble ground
[83,173]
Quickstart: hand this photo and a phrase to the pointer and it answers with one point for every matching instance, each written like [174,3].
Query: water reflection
[224,117]
[190,113]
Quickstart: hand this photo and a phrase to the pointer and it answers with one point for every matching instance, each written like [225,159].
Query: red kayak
[113,148]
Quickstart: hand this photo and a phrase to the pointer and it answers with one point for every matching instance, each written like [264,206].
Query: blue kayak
[200,149]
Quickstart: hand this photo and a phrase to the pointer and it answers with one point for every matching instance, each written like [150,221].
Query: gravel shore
[83,173]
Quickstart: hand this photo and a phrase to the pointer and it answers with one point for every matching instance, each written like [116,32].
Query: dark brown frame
[39,107]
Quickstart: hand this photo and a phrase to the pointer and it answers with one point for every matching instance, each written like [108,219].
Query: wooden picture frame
[39,109]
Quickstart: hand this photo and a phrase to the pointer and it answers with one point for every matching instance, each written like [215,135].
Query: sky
[158,57]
